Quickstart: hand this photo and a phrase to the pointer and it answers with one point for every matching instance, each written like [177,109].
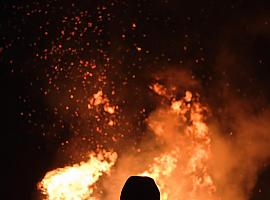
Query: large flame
[162,168]
[76,182]
[182,172]
[181,169]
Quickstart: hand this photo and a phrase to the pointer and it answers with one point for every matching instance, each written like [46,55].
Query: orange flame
[181,170]
[76,182]
[163,166]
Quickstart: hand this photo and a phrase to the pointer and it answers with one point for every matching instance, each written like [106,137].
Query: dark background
[222,43]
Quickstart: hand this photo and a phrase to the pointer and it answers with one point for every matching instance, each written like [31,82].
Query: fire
[180,168]
[182,171]
[76,182]
[162,167]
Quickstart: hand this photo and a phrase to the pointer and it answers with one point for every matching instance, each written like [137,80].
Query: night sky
[55,54]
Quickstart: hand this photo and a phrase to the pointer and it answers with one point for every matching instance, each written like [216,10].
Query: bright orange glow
[109,109]
[182,172]
[180,166]
[100,99]
[162,167]
[97,99]
[76,182]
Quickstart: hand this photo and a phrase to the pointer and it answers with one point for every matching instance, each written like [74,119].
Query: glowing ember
[100,99]
[159,89]
[76,182]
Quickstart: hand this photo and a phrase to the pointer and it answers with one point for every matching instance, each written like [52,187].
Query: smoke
[239,155]
[240,112]
[175,147]
[238,149]
[211,147]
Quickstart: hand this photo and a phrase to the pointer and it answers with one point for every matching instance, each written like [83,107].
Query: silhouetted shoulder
[140,188]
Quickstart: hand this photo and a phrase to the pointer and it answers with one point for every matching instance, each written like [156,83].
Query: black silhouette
[140,188]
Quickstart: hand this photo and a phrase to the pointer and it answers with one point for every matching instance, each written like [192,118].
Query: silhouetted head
[140,188]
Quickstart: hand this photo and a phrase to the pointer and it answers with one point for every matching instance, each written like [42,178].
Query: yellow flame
[76,182]
[163,166]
